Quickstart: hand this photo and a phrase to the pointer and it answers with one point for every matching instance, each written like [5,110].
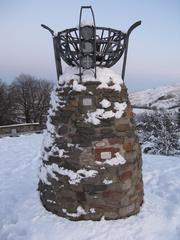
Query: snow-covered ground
[22,216]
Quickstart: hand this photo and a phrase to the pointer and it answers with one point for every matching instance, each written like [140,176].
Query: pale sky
[154,47]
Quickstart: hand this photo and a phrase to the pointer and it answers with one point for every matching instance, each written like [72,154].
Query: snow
[118,159]
[107,78]
[80,211]
[50,133]
[74,177]
[43,175]
[106,181]
[23,217]
[78,87]
[92,210]
[105,103]
[119,107]
[95,116]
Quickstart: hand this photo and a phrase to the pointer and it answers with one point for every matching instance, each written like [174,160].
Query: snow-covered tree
[158,133]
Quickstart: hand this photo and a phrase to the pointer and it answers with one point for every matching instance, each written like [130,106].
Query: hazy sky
[154,48]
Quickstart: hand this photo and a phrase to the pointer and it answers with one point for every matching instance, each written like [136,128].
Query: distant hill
[158,131]
[167,97]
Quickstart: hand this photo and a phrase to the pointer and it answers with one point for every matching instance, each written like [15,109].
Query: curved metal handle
[86,7]
[132,27]
[49,29]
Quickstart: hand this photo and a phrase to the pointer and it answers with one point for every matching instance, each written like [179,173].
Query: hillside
[23,217]
[157,98]
[158,131]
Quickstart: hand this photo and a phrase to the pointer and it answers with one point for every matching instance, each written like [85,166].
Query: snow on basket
[91,158]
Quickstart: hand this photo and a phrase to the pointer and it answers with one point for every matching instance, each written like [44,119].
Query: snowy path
[23,218]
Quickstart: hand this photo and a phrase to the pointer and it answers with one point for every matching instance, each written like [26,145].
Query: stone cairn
[91,158]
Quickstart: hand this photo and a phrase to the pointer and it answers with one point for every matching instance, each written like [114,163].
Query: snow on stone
[48,139]
[51,201]
[109,79]
[43,175]
[95,116]
[80,211]
[107,114]
[74,177]
[54,101]
[106,77]
[92,210]
[56,151]
[61,152]
[22,215]
[78,87]
[119,107]
[74,145]
[69,73]
[50,133]
[118,159]
[106,181]
[105,103]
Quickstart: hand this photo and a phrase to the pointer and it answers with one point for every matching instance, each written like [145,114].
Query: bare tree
[5,113]
[30,98]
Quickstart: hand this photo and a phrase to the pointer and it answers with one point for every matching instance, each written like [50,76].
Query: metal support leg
[56,52]
[57,58]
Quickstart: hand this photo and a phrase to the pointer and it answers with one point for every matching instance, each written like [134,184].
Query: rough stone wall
[91,168]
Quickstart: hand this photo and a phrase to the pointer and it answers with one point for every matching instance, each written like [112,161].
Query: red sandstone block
[123,127]
[124,176]
[111,194]
[127,167]
[139,186]
[130,113]
[131,157]
[115,140]
[98,152]
[103,207]
[74,103]
[128,147]
[107,194]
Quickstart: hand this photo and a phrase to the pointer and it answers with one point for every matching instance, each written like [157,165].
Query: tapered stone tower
[91,164]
